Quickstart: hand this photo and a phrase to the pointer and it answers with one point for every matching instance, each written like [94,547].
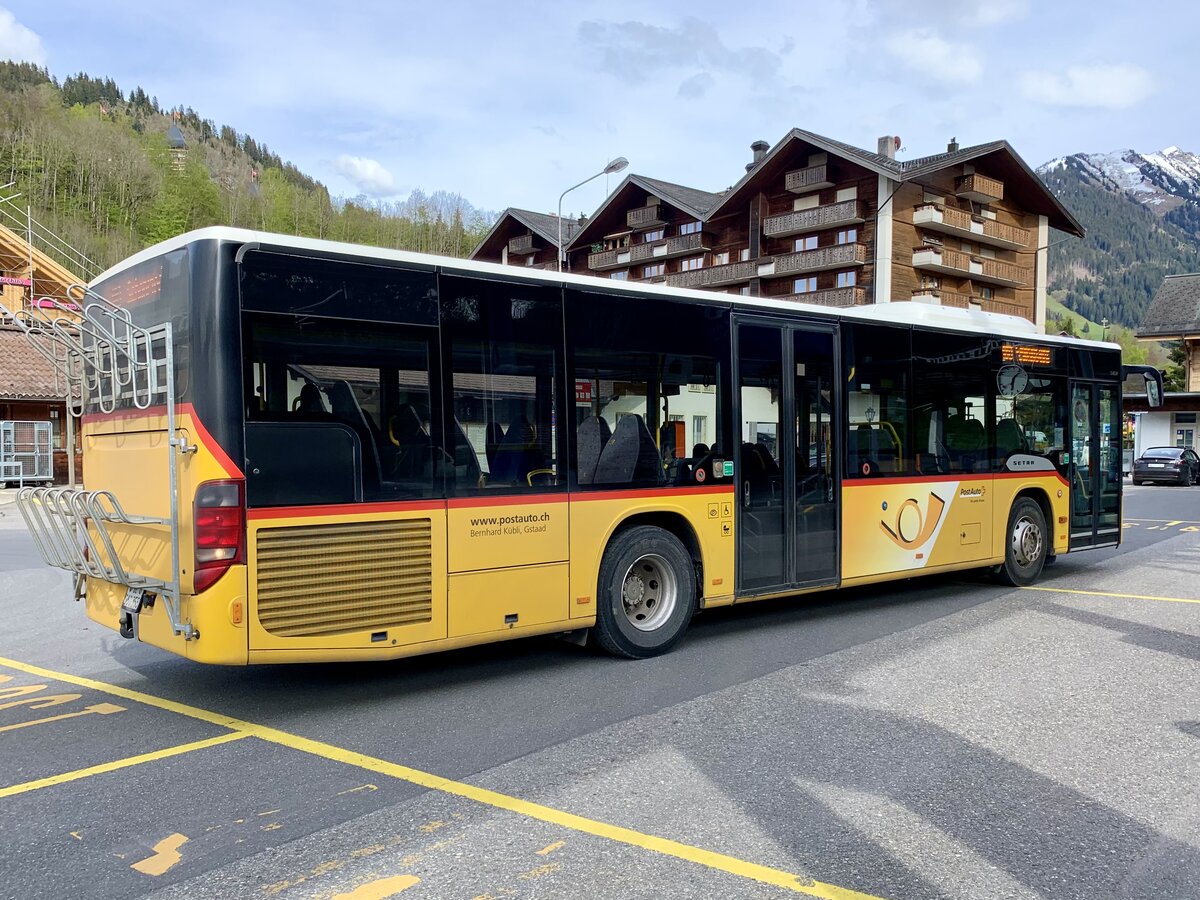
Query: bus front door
[785,466]
[1095,465]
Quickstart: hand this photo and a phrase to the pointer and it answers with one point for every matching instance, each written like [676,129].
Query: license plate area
[133,600]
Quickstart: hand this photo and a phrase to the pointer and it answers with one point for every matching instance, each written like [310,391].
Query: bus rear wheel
[1026,546]
[646,593]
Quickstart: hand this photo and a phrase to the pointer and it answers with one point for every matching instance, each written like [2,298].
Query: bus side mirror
[1154,383]
[1153,390]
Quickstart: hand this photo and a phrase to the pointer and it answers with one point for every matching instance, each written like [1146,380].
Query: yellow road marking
[166,856]
[369,788]
[557,845]
[665,846]
[1054,590]
[103,709]
[378,890]
[178,750]
[1172,521]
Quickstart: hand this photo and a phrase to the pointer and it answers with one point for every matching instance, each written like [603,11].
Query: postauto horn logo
[912,527]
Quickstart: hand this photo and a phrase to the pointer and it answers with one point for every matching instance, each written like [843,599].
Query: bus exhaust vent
[316,580]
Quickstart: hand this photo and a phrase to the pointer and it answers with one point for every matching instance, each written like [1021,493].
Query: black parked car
[1174,464]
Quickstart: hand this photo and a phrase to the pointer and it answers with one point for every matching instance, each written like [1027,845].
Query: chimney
[888,145]
[952,146]
[759,149]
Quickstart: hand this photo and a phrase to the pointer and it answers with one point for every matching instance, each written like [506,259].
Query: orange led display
[1027,355]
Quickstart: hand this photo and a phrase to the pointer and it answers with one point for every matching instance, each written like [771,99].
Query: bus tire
[646,594]
[1026,544]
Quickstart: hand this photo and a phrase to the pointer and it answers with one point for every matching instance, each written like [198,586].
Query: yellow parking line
[120,764]
[1054,590]
[664,846]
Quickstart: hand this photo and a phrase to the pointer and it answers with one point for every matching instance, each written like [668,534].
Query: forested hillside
[1115,270]
[94,164]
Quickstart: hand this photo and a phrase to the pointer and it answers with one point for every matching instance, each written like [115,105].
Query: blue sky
[508,103]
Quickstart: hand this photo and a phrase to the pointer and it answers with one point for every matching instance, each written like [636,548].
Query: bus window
[1033,421]
[876,363]
[336,412]
[949,376]
[647,393]
[503,349]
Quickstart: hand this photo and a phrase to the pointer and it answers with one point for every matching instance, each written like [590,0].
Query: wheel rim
[1027,542]
[649,592]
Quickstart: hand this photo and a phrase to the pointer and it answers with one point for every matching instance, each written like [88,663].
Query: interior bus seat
[1009,439]
[346,409]
[630,455]
[965,441]
[466,461]
[493,439]
[408,434]
[517,455]
[592,436]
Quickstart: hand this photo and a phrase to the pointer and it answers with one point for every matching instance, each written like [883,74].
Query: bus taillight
[220,528]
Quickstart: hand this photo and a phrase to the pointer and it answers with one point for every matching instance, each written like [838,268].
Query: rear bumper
[1171,476]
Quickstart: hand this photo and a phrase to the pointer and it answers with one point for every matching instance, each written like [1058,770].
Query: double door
[787,462]
[1095,420]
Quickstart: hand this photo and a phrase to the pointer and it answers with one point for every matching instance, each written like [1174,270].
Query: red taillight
[219,523]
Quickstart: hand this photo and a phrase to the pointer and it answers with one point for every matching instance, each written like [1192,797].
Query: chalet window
[622,275]
[654,270]
[805,285]
[692,262]
[987,293]
[529,260]
[689,228]
[847,279]
[721,259]
[850,193]
[987,252]
[930,282]
[808,242]
[809,202]
[745,254]
[651,236]
[847,236]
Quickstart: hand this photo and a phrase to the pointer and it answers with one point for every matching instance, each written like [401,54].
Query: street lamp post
[615,166]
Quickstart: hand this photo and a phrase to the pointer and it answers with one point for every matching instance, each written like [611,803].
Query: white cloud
[1101,86]
[927,53]
[19,43]
[368,175]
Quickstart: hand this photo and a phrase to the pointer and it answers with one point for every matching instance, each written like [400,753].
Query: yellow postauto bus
[299,450]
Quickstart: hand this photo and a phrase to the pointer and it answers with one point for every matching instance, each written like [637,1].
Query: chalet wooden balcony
[959,223]
[955,262]
[819,260]
[940,297]
[645,217]
[805,181]
[832,215]
[849,296]
[730,273]
[979,188]
[521,245]
[681,245]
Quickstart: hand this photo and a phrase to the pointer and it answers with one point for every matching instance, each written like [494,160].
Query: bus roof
[898,313]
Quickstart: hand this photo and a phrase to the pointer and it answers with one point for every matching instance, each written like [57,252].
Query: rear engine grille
[318,580]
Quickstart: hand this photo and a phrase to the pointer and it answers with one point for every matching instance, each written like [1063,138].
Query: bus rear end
[156,535]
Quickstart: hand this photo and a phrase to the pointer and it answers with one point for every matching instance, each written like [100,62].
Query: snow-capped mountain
[1141,212]
[1162,181]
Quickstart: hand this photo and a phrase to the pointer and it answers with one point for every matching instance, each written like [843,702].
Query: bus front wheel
[647,593]
[1026,544]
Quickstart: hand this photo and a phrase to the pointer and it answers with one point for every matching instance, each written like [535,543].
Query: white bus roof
[899,313]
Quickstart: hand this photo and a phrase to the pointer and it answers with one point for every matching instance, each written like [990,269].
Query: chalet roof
[50,279]
[24,373]
[690,200]
[1175,310]
[1035,196]
[513,221]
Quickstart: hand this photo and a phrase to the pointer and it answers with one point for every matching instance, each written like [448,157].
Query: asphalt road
[943,737]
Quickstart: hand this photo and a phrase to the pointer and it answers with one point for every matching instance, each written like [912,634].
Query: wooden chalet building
[818,221]
[1173,315]
[524,238]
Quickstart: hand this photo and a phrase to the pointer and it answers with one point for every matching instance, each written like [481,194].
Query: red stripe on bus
[342,509]
[232,469]
[650,492]
[505,500]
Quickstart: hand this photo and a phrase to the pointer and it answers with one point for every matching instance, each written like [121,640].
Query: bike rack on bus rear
[104,361]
